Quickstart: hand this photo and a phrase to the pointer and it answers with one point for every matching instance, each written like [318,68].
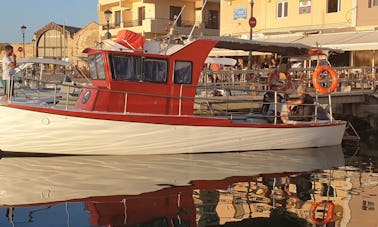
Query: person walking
[9,65]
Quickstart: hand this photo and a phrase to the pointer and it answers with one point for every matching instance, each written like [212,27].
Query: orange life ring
[328,218]
[316,81]
[283,88]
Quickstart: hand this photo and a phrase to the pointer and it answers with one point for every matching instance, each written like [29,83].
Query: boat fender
[281,76]
[330,208]
[316,79]
[45,121]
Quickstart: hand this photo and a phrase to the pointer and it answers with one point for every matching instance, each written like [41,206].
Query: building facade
[64,42]
[348,25]
[60,42]
[152,18]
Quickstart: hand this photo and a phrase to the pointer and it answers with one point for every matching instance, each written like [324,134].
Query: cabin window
[125,67]
[96,67]
[183,72]
[155,70]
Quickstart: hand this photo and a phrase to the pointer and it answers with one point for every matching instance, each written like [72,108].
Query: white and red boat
[141,102]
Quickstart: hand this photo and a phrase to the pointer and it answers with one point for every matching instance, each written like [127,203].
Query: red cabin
[145,81]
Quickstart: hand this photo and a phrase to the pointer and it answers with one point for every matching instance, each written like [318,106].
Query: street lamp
[251,2]
[108,14]
[33,42]
[23,30]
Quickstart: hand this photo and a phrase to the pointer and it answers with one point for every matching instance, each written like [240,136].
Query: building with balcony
[152,18]
[350,25]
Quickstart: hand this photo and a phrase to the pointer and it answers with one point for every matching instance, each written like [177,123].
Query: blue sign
[240,12]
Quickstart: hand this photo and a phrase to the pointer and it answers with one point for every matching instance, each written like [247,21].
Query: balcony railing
[167,21]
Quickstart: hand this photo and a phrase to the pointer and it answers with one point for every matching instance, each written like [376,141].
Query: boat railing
[363,79]
[233,102]
[239,103]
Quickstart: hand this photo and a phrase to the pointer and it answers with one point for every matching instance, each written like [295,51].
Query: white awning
[228,53]
[347,41]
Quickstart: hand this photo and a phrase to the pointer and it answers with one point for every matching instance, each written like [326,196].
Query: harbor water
[330,186]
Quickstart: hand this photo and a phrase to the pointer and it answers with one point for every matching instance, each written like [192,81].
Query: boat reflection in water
[270,188]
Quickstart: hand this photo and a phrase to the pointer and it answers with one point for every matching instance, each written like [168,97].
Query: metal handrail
[210,101]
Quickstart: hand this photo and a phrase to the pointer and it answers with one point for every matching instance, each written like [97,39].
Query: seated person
[269,99]
[301,109]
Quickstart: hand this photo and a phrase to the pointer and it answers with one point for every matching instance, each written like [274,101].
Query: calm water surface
[302,187]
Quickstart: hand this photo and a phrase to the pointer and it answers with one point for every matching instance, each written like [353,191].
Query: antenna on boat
[194,25]
[172,27]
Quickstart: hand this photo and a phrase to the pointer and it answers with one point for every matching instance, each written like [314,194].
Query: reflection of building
[282,199]
[364,198]
[152,18]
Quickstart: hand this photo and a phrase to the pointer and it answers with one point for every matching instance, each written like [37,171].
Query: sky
[35,14]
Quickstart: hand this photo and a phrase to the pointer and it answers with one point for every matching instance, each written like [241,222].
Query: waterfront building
[350,26]
[152,18]
[60,42]
[63,41]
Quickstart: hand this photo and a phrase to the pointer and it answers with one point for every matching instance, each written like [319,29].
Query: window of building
[213,19]
[174,11]
[141,15]
[282,9]
[183,72]
[155,70]
[333,6]
[125,67]
[368,205]
[52,45]
[96,67]
[117,18]
[373,3]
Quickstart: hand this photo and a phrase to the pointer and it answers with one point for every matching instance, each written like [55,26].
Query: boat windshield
[183,72]
[134,68]
[96,67]
[125,67]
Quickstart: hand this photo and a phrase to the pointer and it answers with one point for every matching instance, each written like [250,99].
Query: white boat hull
[41,132]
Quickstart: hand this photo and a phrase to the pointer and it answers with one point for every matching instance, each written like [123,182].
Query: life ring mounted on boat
[281,77]
[325,204]
[317,83]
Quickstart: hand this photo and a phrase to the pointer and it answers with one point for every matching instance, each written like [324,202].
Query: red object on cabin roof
[130,39]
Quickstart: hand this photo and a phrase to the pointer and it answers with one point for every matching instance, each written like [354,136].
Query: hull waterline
[63,134]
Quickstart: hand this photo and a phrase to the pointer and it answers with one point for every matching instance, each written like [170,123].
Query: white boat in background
[141,102]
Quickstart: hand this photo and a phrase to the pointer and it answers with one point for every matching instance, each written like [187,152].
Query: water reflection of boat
[132,190]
